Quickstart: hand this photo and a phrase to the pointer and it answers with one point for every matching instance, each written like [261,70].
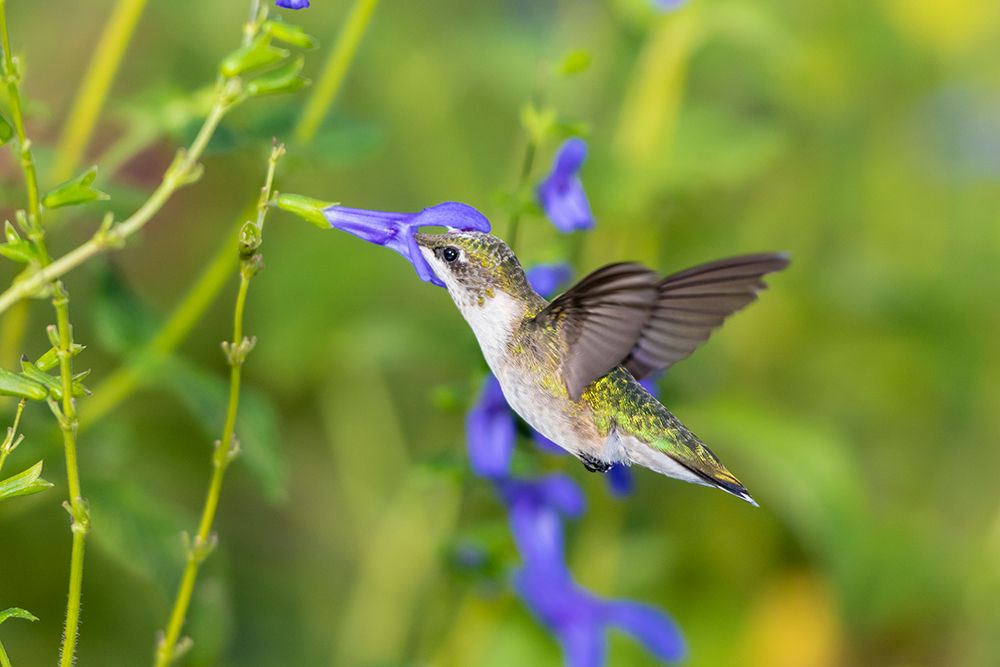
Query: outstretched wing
[695,302]
[625,315]
[601,317]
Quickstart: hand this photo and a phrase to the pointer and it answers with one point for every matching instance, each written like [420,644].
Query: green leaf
[289,34]
[24,483]
[13,384]
[575,62]
[206,397]
[306,208]
[259,53]
[16,248]
[140,532]
[79,190]
[284,79]
[52,383]
[538,122]
[50,359]
[6,130]
[16,612]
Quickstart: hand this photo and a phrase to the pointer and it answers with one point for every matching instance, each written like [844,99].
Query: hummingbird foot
[594,464]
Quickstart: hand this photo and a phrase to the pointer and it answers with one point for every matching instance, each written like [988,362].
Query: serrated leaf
[76,191]
[259,53]
[206,397]
[13,384]
[17,612]
[24,483]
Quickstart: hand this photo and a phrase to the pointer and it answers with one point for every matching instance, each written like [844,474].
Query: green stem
[60,301]
[8,442]
[12,77]
[526,165]
[177,176]
[226,448]
[336,66]
[4,660]
[94,87]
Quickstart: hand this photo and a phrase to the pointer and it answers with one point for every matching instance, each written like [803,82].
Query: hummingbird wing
[601,318]
[692,304]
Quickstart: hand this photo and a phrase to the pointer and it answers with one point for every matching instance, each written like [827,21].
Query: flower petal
[584,646]
[454,215]
[545,444]
[561,194]
[620,480]
[490,433]
[650,626]
[570,157]
[547,278]
[292,4]
[396,230]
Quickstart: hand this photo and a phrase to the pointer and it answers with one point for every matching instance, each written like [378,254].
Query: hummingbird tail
[728,483]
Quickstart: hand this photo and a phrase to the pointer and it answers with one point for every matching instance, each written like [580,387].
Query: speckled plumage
[614,420]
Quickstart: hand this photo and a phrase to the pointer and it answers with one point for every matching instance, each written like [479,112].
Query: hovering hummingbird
[571,368]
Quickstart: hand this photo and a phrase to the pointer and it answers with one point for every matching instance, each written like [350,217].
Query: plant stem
[63,335]
[12,77]
[4,660]
[336,66]
[526,165]
[94,87]
[227,448]
[180,173]
[11,437]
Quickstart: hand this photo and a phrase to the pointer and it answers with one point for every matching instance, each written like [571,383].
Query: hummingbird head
[475,267]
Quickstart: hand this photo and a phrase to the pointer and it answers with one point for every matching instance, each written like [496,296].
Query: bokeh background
[858,399]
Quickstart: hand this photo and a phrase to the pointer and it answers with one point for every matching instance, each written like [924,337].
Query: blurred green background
[858,400]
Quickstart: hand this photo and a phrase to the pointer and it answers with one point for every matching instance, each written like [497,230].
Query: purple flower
[490,434]
[576,617]
[292,4]
[668,5]
[561,193]
[547,278]
[396,230]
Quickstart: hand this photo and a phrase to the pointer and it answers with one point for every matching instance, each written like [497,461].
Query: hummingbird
[571,367]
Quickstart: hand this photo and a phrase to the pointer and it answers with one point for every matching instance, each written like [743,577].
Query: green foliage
[16,612]
[79,190]
[24,483]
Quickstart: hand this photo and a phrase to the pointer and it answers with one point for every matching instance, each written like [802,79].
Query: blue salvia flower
[576,617]
[561,193]
[292,4]
[396,230]
[490,430]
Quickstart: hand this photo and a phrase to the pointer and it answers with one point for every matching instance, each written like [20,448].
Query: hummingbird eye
[449,254]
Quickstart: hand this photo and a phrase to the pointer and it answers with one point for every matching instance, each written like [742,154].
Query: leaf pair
[261,54]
